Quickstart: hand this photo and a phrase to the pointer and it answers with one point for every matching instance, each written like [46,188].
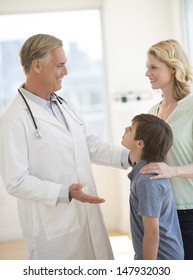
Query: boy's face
[128,138]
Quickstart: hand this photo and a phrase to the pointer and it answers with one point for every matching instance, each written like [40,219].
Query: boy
[154,223]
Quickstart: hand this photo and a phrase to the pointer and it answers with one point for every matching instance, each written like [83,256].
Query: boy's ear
[140,144]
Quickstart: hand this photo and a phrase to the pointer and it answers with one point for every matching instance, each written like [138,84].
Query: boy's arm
[151,237]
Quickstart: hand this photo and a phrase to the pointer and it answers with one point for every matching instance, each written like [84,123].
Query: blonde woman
[168,70]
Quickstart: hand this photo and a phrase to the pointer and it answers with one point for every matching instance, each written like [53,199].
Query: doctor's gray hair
[37,47]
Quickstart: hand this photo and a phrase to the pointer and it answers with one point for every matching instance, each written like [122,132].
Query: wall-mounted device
[135,95]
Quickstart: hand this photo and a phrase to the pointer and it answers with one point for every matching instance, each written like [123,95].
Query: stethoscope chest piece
[38,134]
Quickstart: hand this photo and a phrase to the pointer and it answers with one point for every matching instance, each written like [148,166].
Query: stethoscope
[73,115]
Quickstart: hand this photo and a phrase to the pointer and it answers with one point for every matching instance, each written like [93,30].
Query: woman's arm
[165,171]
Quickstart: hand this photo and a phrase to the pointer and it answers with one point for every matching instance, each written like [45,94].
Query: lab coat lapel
[40,113]
[71,114]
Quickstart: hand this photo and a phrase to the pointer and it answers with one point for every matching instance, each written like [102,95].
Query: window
[188,26]
[80,32]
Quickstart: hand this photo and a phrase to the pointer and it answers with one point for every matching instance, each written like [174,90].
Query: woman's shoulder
[154,109]
[186,103]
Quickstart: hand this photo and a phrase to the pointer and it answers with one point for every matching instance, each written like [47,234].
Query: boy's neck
[135,158]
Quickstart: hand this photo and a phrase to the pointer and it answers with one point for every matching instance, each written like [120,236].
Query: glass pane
[188,26]
[80,32]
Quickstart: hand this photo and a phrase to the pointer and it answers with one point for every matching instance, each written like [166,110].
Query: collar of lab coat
[38,111]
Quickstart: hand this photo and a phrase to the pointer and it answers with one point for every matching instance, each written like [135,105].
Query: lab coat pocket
[59,220]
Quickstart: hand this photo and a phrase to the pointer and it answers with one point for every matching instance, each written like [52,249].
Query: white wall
[129,28]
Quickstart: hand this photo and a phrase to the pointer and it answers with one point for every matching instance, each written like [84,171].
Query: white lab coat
[34,170]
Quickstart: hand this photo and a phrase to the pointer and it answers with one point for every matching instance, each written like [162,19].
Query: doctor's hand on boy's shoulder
[75,191]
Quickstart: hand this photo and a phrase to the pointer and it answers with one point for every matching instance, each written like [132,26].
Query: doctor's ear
[36,65]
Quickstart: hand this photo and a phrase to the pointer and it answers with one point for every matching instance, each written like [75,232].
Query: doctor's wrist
[64,195]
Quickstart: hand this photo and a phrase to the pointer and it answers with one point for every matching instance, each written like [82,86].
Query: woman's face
[160,75]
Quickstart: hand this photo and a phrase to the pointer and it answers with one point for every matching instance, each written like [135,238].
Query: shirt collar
[38,100]
[136,169]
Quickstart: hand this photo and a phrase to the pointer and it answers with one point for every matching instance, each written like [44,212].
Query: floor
[122,247]
[121,244]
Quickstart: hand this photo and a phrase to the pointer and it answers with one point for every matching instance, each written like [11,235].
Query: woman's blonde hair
[172,54]
[37,47]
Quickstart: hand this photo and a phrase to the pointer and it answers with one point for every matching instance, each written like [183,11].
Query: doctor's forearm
[125,159]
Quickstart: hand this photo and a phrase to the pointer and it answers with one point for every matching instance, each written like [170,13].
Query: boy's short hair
[156,135]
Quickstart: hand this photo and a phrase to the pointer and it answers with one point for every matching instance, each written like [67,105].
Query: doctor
[46,154]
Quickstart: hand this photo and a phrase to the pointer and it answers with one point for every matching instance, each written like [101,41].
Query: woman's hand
[160,168]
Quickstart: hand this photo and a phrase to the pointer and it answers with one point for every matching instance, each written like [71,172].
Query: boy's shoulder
[143,182]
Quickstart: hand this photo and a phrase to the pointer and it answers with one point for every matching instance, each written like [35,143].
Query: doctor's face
[53,70]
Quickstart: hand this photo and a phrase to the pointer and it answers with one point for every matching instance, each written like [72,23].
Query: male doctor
[46,154]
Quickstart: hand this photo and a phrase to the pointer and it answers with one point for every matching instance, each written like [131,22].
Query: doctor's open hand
[75,191]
